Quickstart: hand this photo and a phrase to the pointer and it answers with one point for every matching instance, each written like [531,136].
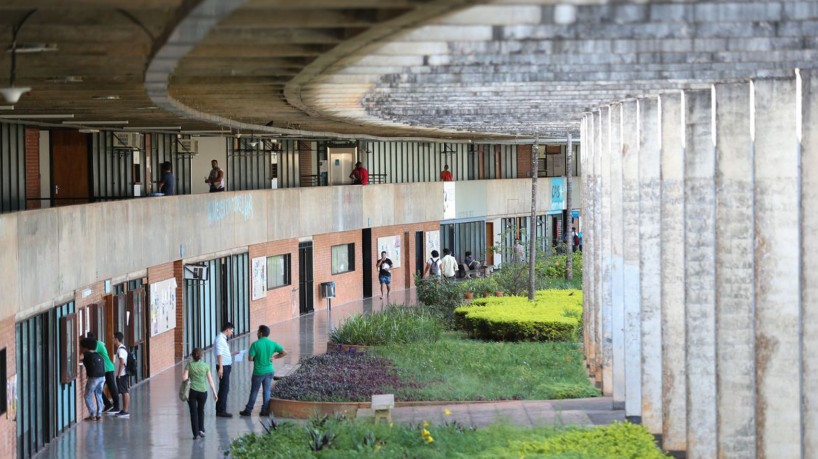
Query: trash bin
[328,289]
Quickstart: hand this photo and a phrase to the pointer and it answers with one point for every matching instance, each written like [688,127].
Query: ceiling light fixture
[35,117]
[12,94]
[153,128]
[152,107]
[7,107]
[105,97]
[30,48]
[66,79]
[88,130]
[101,123]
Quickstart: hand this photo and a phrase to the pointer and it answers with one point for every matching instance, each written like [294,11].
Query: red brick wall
[163,346]
[8,428]
[280,303]
[305,159]
[32,167]
[407,262]
[524,161]
[179,331]
[348,286]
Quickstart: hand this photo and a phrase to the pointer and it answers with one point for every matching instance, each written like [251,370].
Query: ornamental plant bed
[554,315]
[338,347]
[395,324]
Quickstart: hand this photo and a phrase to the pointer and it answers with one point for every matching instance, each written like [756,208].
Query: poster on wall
[11,398]
[390,245]
[432,243]
[163,306]
[259,278]
[449,211]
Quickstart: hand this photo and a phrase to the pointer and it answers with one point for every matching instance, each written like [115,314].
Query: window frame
[350,258]
[288,278]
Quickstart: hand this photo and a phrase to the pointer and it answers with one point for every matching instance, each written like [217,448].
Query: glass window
[278,271]
[343,258]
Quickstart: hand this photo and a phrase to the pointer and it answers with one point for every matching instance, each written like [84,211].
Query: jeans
[110,381]
[261,380]
[224,389]
[196,402]
[93,390]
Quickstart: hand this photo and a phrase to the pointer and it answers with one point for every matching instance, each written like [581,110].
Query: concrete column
[606,251]
[630,253]
[734,273]
[589,201]
[700,274]
[674,381]
[650,272]
[777,264]
[597,243]
[809,260]
[617,258]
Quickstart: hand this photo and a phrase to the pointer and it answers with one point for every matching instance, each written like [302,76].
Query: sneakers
[111,412]
[123,415]
[201,434]
[224,415]
[245,413]
[91,418]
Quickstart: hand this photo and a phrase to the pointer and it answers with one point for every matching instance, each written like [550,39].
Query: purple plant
[341,377]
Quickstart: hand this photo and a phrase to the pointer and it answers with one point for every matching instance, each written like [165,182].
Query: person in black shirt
[384,266]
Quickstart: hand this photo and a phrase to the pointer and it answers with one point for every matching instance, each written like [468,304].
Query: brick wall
[32,167]
[179,331]
[402,277]
[8,428]
[305,159]
[524,161]
[162,346]
[348,286]
[280,303]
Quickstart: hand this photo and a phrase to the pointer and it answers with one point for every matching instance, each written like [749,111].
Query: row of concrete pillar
[701,265]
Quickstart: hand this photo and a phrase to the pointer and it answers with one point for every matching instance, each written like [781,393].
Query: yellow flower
[425,424]
[391,424]
[377,448]
[429,439]
[447,412]
[424,433]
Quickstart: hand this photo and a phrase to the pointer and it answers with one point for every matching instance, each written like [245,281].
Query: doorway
[70,181]
[489,243]
[366,246]
[342,161]
[420,262]
[305,278]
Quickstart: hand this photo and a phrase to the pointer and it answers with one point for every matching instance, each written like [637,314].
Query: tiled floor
[160,424]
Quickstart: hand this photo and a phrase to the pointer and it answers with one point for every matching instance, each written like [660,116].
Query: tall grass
[393,325]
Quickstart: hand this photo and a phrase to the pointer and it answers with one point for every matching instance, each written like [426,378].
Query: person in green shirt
[111,406]
[199,373]
[262,353]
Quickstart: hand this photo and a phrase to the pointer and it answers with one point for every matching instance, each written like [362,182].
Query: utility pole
[532,234]
[569,260]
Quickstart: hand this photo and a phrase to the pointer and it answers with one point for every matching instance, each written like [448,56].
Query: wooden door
[489,243]
[69,168]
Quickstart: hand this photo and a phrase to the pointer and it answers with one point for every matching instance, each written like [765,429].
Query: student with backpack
[432,265]
[95,371]
[123,379]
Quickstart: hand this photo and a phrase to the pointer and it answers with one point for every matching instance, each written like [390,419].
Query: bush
[393,325]
[340,377]
[554,315]
[512,278]
[440,297]
[624,440]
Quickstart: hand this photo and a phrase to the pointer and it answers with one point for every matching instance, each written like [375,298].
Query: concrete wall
[719,280]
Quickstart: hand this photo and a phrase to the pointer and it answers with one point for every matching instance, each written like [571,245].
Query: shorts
[123,384]
[385,278]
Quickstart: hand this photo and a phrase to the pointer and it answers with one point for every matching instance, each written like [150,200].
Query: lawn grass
[457,368]
[361,438]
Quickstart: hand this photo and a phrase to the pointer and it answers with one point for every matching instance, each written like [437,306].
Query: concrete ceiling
[417,68]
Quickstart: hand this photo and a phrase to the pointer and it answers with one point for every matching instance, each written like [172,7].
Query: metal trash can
[328,289]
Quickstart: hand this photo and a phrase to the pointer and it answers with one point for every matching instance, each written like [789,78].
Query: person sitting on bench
[470,262]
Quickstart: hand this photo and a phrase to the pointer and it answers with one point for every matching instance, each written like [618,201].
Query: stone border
[340,347]
[296,409]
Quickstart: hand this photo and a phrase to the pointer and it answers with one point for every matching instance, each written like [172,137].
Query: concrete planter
[340,347]
[295,409]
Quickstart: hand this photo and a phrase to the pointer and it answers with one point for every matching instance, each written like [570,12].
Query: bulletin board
[163,306]
[391,245]
[259,278]
[432,243]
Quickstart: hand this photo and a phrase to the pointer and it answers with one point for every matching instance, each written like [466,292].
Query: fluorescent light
[213,131]
[23,48]
[101,123]
[153,128]
[34,117]
[105,97]
[88,131]
[13,94]
[6,107]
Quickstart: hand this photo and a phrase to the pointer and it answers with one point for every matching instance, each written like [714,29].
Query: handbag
[184,390]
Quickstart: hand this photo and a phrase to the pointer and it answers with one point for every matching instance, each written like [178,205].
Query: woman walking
[198,372]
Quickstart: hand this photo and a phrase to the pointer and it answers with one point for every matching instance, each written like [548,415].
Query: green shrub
[554,315]
[619,440]
[393,325]
[440,298]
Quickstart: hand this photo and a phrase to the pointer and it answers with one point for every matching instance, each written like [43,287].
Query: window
[3,406]
[68,348]
[278,271]
[343,258]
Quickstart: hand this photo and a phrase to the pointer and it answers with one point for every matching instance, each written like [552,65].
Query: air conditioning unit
[129,140]
[197,272]
[187,146]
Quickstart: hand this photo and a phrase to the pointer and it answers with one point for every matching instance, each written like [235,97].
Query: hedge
[554,315]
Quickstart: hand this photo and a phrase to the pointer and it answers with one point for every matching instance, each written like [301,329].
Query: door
[136,331]
[306,291]
[366,271]
[489,243]
[341,165]
[420,262]
[407,257]
[69,168]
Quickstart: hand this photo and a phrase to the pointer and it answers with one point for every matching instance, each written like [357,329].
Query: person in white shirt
[448,265]
[224,364]
[123,381]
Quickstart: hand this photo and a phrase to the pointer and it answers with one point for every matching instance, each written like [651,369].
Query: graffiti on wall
[218,209]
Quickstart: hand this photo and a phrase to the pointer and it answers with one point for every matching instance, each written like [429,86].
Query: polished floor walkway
[160,425]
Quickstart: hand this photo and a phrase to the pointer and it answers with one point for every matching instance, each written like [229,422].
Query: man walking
[262,353]
[123,381]
[111,406]
[224,365]
[448,265]
[384,266]
[95,371]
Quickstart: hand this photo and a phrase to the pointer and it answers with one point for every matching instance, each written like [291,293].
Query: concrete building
[697,159]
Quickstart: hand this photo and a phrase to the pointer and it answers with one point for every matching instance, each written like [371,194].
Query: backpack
[433,268]
[130,363]
[94,365]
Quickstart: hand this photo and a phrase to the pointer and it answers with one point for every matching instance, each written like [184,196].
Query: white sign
[449,211]
[259,278]
[390,245]
[163,306]
[432,243]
